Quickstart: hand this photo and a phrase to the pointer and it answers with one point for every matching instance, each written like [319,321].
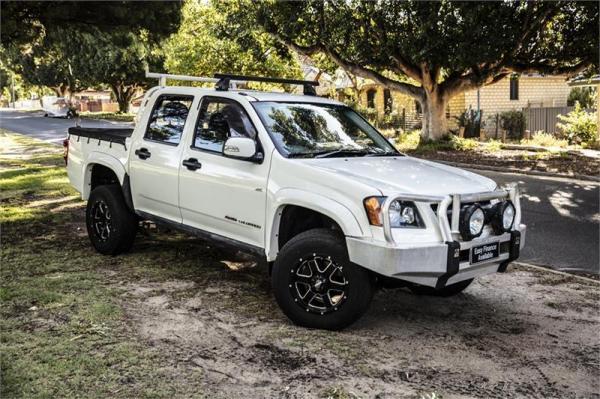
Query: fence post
[497,125]
[403,118]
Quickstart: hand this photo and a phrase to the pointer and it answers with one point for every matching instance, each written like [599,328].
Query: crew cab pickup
[305,184]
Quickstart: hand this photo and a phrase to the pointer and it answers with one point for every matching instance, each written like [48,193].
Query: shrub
[586,96]
[494,146]
[514,123]
[544,139]
[578,126]
[462,144]
[472,122]
[408,141]
[369,114]
[392,120]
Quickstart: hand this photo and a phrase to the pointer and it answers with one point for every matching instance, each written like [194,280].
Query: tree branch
[356,69]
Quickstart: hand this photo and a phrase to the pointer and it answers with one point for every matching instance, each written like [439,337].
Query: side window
[219,119]
[168,119]
[514,87]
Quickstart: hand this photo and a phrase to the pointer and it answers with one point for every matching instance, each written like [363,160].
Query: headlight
[503,217]
[472,219]
[401,213]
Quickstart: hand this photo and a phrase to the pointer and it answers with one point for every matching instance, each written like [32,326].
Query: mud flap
[452,264]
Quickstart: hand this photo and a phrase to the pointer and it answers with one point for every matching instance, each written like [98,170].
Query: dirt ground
[175,318]
[567,163]
[513,335]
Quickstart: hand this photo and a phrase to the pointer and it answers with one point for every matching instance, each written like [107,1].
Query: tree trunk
[123,95]
[435,123]
[61,90]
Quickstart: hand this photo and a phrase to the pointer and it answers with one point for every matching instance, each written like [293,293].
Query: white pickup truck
[306,185]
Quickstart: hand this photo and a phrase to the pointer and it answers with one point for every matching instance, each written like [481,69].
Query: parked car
[60,108]
[305,184]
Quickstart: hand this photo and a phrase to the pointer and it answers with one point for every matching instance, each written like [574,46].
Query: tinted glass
[218,120]
[168,119]
[309,129]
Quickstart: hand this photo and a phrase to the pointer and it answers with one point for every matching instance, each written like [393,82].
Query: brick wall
[534,91]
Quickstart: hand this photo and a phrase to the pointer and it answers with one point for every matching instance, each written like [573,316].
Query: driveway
[54,130]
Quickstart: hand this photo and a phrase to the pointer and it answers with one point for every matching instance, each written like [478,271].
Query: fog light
[503,217]
[472,219]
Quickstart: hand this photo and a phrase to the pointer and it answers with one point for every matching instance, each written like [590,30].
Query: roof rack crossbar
[225,79]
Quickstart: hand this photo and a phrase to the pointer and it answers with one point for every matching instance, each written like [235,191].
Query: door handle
[192,164]
[143,153]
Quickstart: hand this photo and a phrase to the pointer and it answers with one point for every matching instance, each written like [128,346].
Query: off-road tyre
[447,291]
[122,223]
[344,303]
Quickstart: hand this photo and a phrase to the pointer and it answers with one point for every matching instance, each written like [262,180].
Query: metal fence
[544,118]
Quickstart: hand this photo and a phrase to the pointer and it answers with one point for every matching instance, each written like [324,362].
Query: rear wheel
[447,291]
[316,285]
[110,224]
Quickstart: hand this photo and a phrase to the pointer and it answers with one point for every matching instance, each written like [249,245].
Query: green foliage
[404,45]
[196,49]
[585,96]
[544,139]
[464,144]
[68,45]
[514,122]
[471,120]
[493,146]
[23,24]
[392,119]
[408,141]
[578,126]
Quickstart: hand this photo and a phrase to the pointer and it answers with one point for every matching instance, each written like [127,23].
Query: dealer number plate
[484,252]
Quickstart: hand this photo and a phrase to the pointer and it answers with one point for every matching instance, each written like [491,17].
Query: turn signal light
[373,208]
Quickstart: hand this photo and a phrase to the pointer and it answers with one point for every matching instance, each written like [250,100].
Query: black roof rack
[225,79]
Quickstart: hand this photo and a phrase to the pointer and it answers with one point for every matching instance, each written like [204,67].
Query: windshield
[316,130]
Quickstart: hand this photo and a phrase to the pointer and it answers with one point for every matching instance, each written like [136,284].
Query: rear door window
[168,119]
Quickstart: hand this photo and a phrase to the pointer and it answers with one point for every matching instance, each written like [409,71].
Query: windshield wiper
[350,151]
[384,154]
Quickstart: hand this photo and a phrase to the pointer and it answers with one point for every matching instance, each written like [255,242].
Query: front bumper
[434,265]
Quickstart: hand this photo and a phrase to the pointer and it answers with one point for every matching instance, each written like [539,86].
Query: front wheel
[316,285]
[449,290]
[111,226]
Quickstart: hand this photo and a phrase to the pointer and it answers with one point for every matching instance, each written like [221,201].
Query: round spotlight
[503,217]
[472,219]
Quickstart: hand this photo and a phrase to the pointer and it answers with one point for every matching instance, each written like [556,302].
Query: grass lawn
[176,318]
[63,332]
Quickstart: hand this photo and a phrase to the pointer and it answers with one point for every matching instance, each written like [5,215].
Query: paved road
[49,129]
[562,214]
[563,221]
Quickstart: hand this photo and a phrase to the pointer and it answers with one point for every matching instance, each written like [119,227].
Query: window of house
[514,87]
[371,98]
[168,119]
[219,119]
[387,101]
[418,109]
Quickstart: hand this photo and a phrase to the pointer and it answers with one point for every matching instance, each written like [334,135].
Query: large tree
[198,49]
[433,51]
[68,45]
[24,22]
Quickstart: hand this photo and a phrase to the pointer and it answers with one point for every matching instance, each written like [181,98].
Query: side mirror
[240,148]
